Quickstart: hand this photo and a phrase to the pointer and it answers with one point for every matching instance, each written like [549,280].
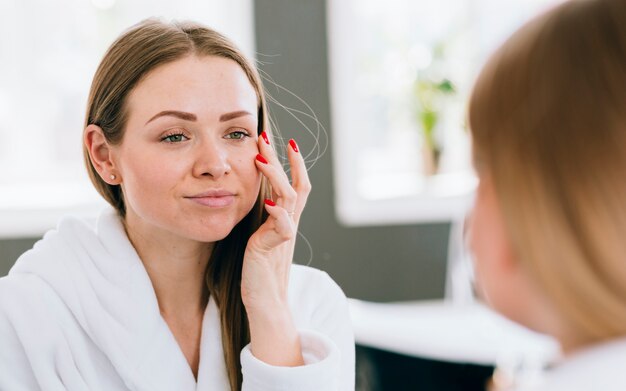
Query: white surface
[424,206]
[29,210]
[439,330]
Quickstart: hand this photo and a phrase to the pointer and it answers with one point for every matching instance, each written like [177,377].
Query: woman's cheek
[482,240]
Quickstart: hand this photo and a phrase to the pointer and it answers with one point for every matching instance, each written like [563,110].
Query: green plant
[430,95]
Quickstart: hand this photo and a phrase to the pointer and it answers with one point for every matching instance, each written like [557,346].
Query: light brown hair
[137,52]
[548,121]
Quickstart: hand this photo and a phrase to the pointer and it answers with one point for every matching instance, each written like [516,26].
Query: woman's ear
[100,154]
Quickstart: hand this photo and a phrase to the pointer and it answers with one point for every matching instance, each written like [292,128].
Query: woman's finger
[268,164]
[299,175]
[269,153]
[286,196]
[280,226]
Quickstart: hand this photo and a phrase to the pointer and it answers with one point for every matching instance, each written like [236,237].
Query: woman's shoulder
[306,272]
[306,280]
[23,294]
[313,294]
[25,303]
[599,367]
[15,286]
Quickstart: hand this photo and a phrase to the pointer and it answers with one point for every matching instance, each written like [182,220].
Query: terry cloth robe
[600,367]
[78,312]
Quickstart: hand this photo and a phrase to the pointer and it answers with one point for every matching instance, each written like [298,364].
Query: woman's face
[493,257]
[503,280]
[186,162]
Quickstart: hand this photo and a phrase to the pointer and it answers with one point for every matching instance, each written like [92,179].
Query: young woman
[548,120]
[187,282]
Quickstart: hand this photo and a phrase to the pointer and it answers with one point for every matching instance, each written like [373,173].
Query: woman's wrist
[274,338]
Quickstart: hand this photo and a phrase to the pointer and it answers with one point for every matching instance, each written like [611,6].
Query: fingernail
[264,135]
[293,144]
[270,202]
[260,158]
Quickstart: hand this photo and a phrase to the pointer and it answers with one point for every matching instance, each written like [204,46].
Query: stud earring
[112,176]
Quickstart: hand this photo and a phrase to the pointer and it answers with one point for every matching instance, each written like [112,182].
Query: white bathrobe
[78,312]
[601,367]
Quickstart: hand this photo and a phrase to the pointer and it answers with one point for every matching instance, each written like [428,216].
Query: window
[50,51]
[401,72]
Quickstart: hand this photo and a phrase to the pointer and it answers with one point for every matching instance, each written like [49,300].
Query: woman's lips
[213,198]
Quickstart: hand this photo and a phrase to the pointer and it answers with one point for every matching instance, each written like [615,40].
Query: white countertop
[468,333]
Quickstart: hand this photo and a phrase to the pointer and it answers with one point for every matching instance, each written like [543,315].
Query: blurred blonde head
[548,121]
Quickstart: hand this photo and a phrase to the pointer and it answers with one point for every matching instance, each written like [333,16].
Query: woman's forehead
[206,86]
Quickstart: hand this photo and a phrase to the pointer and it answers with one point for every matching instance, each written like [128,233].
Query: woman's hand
[268,257]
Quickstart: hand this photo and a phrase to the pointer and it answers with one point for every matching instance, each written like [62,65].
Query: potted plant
[431,98]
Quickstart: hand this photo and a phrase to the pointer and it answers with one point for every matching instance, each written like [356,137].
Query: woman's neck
[176,267]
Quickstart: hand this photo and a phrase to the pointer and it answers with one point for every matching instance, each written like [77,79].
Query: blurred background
[373,91]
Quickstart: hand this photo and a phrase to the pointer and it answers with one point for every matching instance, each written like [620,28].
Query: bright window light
[401,72]
[50,51]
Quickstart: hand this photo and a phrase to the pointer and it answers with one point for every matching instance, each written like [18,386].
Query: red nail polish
[270,202]
[260,158]
[293,144]
[264,135]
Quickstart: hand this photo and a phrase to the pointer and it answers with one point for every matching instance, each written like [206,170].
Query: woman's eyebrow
[179,114]
[233,115]
[192,117]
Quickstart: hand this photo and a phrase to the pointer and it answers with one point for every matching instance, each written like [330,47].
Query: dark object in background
[11,249]
[380,370]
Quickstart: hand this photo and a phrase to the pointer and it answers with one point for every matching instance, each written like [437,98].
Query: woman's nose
[211,160]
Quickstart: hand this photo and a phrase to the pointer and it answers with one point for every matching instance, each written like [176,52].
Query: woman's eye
[237,135]
[174,138]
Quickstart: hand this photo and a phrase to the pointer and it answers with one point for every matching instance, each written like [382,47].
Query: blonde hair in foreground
[548,121]
[130,58]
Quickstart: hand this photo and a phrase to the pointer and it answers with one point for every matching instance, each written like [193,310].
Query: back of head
[548,120]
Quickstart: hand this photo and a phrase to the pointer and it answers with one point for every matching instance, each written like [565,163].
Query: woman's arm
[326,340]
[281,357]
[268,257]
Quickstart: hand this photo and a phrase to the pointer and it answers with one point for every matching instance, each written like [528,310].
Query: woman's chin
[209,231]
[208,235]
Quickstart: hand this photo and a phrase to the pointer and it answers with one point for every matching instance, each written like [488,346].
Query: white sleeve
[319,372]
[327,349]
